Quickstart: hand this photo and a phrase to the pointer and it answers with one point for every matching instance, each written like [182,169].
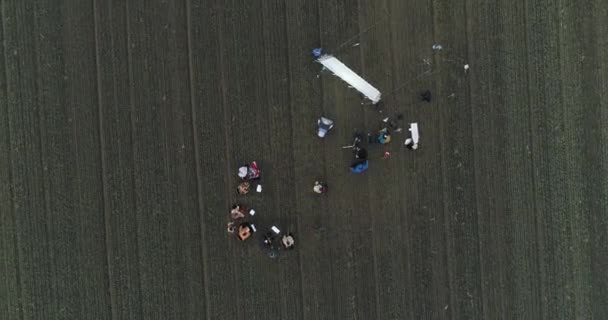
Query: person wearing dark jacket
[426,96]
[360,153]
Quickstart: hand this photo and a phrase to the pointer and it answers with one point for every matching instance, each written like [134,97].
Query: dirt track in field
[122,125]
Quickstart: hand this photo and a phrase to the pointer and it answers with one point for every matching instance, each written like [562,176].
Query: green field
[122,124]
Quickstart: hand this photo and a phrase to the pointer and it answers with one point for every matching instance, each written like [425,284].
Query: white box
[275,230]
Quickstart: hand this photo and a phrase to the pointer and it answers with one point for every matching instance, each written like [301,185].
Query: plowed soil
[122,124]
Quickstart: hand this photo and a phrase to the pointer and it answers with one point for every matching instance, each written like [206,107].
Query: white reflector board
[354,80]
[414,132]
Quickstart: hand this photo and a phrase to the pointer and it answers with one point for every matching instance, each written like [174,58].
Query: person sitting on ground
[237,212]
[320,187]
[231,227]
[360,153]
[243,172]
[269,245]
[245,231]
[384,136]
[268,239]
[391,123]
[287,241]
[244,187]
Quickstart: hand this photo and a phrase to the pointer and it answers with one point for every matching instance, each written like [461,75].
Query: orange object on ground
[244,232]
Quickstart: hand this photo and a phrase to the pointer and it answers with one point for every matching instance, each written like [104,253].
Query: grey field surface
[122,124]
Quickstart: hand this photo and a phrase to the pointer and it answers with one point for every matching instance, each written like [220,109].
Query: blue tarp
[360,167]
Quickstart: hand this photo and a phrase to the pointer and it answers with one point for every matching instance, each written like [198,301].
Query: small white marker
[466,67]
[275,230]
[258,188]
[252,212]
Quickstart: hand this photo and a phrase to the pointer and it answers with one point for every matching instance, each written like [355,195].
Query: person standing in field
[426,96]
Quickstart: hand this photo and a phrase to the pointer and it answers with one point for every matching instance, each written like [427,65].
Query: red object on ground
[254,171]
[386,155]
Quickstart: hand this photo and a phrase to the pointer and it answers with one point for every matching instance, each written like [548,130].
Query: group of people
[273,240]
[383,136]
[241,224]
[360,162]
[238,223]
